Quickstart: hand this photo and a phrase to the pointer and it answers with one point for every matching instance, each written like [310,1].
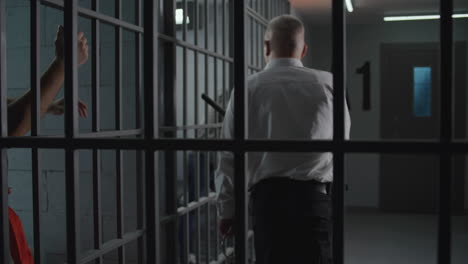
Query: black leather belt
[309,185]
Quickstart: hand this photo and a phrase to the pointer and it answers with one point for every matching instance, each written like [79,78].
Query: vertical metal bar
[35,125]
[215,19]
[208,211]
[197,212]
[96,127]
[71,68]
[339,80]
[71,131]
[262,34]
[215,72]
[269,9]
[240,129]
[119,126]
[207,14]
[184,26]
[4,223]
[139,124]
[184,120]
[224,87]
[207,46]
[153,217]
[35,69]
[225,93]
[446,130]
[197,161]
[257,43]
[252,40]
[170,113]
[207,131]
[186,217]
[195,54]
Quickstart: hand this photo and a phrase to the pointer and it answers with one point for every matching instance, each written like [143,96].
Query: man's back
[287,101]
[290,102]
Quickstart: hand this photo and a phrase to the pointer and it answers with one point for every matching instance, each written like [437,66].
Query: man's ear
[304,51]
[267,47]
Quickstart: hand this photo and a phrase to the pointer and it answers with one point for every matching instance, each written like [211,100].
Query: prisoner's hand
[82,46]
[58,108]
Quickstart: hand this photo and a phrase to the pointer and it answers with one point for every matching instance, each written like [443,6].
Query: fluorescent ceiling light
[427,17]
[349,5]
[179,17]
[460,16]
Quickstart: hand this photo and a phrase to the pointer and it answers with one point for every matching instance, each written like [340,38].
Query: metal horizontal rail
[113,133]
[191,207]
[230,145]
[192,127]
[88,13]
[255,15]
[188,45]
[196,204]
[111,246]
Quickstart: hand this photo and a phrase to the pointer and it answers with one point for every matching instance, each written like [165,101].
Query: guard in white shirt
[290,203]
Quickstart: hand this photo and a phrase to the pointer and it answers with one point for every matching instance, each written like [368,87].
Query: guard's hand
[226,227]
[82,46]
[58,108]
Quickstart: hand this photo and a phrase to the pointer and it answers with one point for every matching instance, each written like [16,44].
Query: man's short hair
[283,32]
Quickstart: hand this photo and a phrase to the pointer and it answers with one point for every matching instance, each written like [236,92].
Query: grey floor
[378,238]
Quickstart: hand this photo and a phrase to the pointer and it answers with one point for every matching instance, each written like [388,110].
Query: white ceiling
[371,10]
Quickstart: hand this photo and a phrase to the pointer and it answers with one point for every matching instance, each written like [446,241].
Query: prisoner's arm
[19,111]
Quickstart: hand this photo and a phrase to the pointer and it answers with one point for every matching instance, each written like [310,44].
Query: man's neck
[275,57]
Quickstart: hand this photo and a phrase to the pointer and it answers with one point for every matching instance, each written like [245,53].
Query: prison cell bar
[226,92]
[252,42]
[139,154]
[225,83]
[215,61]
[96,128]
[197,163]
[4,223]
[207,131]
[229,145]
[339,81]
[119,126]
[446,132]
[186,187]
[35,125]
[151,101]
[240,183]
[71,130]
[112,133]
[169,92]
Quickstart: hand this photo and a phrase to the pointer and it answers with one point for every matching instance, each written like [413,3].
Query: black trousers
[292,223]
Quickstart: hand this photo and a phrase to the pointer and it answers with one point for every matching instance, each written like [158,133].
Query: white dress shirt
[286,102]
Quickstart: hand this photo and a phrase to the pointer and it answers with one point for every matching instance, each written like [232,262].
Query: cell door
[410,110]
